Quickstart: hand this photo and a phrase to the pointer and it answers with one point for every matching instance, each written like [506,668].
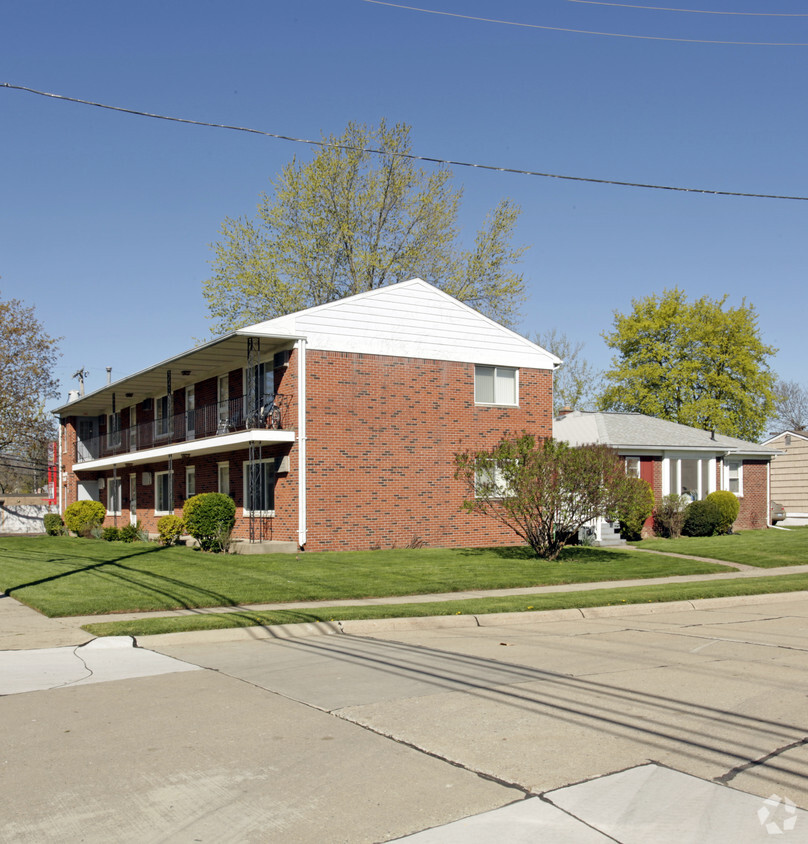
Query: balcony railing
[208,421]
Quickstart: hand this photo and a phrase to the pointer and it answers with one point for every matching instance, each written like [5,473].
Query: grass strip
[473,606]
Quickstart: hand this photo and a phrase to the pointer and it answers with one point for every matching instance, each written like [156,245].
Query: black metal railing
[207,421]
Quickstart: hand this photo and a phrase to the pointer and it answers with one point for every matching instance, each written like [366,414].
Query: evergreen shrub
[209,518]
[83,516]
[702,519]
[729,507]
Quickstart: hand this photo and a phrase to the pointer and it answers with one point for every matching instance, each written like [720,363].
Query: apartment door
[190,412]
[85,440]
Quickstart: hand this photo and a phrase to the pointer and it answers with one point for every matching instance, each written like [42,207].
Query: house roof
[409,319]
[802,434]
[636,431]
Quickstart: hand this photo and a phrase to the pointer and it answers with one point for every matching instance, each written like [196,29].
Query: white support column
[302,527]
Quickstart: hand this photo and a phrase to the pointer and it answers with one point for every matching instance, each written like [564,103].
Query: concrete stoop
[244,546]
[609,537]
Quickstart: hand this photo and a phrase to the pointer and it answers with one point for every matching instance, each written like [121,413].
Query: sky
[106,219]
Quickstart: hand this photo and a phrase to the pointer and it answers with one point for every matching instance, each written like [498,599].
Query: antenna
[81,374]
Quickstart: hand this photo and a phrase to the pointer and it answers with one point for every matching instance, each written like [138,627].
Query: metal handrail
[202,422]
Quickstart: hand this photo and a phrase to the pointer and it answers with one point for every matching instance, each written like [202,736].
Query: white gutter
[302,528]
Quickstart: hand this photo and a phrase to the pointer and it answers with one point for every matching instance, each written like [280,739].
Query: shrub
[702,519]
[82,516]
[110,534]
[129,533]
[639,507]
[209,518]
[669,517]
[728,506]
[53,524]
[170,528]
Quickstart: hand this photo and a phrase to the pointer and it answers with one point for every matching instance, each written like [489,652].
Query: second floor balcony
[221,426]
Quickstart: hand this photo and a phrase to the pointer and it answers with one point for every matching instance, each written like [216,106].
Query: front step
[609,537]
[269,546]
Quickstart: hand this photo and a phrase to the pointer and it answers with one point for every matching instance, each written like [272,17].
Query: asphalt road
[361,738]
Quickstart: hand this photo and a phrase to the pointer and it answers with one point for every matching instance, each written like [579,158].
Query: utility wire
[588,31]
[405,155]
[695,11]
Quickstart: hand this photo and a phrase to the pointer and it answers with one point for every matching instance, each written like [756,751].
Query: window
[633,467]
[163,502]
[223,398]
[689,476]
[734,476]
[161,417]
[259,487]
[263,385]
[495,385]
[190,481]
[224,478]
[114,496]
[190,412]
[487,480]
[114,430]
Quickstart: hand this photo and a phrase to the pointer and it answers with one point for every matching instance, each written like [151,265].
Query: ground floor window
[224,478]
[114,496]
[162,493]
[693,477]
[259,487]
[190,481]
[733,476]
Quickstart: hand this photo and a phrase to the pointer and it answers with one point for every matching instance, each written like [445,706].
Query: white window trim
[496,403]
[725,478]
[190,472]
[225,464]
[245,475]
[158,512]
[674,458]
[111,484]
[639,465]
[500,484]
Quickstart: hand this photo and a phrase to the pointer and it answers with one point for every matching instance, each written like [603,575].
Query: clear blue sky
[107,218]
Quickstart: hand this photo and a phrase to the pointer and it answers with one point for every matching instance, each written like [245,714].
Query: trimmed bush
[702,519]
[639,507]
[209,518]
[110,534]
[669,518]
[170,528]
[130,533]
[82,516]
[729,507]
[53,524]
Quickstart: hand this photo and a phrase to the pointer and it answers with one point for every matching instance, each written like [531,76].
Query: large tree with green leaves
[27,357]
[351,220]
[698,363]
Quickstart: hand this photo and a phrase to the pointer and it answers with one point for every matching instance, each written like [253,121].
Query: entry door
[133,499]
[190,412]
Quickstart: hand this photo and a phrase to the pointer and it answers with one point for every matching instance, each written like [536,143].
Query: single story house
[332,428]
[789,475]
[676,458]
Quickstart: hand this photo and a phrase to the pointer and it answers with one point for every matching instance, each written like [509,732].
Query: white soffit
[410,319]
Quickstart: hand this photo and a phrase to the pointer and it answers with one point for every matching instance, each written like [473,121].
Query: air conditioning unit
[282,359]
[146,479]
[282,463]
[147,404]
[102,483]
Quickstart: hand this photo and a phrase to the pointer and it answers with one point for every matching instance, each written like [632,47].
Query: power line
[588,31]
[695,11]
[406,155]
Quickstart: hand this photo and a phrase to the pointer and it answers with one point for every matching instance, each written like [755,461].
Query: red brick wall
[754,514]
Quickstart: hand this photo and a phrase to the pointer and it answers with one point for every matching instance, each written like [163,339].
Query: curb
[369,626]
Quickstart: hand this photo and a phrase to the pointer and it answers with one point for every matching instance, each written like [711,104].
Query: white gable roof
[409,319]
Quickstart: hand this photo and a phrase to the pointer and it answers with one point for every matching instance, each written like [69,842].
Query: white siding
[411,319]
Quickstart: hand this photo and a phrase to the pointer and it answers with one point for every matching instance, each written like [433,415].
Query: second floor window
[495,385]
[161,416]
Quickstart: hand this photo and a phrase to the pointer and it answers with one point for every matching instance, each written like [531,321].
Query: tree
[790,407]
[696,363]
[349,221]
[27,358]
[576,383]
[545,491]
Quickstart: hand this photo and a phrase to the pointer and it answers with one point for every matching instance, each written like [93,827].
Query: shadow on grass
[169,588]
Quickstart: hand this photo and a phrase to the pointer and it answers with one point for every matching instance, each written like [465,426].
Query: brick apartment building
[376,392]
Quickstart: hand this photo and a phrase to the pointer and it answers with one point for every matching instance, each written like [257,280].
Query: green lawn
[63,576]
[763,548]
[476,606]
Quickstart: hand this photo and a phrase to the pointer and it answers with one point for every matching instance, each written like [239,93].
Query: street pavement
[636,724]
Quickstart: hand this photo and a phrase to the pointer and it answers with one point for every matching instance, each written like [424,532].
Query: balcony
[224,426]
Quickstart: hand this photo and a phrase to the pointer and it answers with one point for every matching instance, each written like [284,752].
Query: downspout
[302,528]
[59,466]
[769,521]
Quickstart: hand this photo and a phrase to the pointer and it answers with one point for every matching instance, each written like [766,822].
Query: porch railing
[207,421]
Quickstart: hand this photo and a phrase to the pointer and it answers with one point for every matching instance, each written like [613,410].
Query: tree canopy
[576,383]
[546,490]
[697,363]
[27,358]
[358,216]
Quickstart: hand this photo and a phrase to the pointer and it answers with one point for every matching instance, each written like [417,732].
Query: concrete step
[244,546]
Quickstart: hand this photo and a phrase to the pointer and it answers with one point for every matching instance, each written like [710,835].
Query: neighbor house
[790,474]
[377,392]
[676,458]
